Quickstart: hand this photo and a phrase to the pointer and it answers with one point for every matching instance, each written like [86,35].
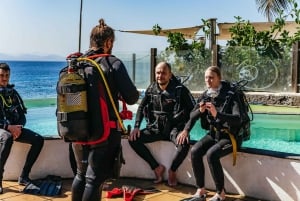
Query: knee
[196,151]
[6,138]
[39,141]
[212,155]
[183,148]
[133,143]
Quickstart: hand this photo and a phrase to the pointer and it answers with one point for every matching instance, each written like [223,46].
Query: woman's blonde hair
[216,70]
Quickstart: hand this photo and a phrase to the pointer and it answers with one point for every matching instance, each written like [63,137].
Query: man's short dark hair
[4,66]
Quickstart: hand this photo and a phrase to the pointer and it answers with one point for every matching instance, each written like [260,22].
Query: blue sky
[43,27]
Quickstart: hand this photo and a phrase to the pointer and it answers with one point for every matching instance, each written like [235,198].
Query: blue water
[36,82]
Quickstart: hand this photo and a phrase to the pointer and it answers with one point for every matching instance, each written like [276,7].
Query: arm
[188,102]
[135,133]
[125,85]
[21,109]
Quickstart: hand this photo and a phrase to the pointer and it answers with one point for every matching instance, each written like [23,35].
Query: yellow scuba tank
[73,100]
[72,104]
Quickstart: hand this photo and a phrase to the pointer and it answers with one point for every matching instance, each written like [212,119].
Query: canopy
[188,32]
[224,33]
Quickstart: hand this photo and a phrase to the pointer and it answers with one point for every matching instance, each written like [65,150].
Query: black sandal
[195,198]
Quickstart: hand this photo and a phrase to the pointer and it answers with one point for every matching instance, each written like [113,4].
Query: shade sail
[188,32]
[224,33]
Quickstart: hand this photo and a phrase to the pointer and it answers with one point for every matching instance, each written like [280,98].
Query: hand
[183,135]
[211,108]
[135,133]
[202,106]
[15,130]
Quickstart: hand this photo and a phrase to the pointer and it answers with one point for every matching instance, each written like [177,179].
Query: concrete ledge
[54,159]
[255,175]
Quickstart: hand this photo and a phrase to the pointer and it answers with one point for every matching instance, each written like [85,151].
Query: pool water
[274,132]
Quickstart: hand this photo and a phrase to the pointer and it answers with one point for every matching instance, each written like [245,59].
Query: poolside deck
[13,192]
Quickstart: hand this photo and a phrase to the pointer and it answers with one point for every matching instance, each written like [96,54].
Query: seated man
[166,106]
[12,120]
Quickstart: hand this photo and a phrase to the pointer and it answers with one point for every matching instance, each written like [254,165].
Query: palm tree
[272,8]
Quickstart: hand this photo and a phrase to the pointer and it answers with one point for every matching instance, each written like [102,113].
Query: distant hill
[31,57]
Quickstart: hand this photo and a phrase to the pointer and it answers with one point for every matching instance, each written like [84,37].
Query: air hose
[107,89]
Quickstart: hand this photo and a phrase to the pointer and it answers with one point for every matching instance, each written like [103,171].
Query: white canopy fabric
[188,32]
[224,33]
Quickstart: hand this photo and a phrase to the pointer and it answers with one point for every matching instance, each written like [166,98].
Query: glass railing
[263,73]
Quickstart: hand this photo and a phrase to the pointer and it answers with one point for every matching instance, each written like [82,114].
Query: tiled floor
[13,192]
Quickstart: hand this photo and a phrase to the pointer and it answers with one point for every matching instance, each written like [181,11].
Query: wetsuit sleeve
[3,123]
[140,111]
[124,84]
[188,102]
[21,110]
[194,116]
[232,119]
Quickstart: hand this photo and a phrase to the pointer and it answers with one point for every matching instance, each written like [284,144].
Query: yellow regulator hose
[107,89]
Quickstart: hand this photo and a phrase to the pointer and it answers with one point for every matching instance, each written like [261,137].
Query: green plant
[271,43]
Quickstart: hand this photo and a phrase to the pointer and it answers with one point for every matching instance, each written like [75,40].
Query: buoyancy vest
[12,107]
[163,110]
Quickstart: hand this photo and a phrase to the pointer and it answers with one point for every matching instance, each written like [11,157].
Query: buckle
[62,116]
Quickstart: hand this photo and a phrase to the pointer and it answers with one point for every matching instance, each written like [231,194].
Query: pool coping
[271,153]
[276,154]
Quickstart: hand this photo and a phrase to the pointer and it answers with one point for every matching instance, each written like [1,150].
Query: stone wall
[266,98]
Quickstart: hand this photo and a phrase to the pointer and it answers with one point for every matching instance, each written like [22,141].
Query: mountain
[32,57]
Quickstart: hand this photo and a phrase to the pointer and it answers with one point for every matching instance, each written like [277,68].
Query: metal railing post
[153,63]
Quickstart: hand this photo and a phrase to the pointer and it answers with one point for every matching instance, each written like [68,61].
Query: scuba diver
[95,160]
[166,106]
[12,122]
[220,121]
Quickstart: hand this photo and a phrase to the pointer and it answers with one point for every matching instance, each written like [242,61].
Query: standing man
[95,161]
[167,105]
[12,122]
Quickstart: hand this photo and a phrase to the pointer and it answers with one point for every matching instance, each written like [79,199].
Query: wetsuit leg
[99,168]
[213,157]
[197,152]
[181,150]
[72,159]
[139,146]
[36,141]
[81,157]
[6,141]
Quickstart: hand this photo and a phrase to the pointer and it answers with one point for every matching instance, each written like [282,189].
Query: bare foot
[172,181]
[159,172]
[201,192]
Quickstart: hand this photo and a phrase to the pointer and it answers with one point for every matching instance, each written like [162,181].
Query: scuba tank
[72,104]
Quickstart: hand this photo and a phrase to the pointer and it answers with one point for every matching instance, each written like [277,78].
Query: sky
[51,27]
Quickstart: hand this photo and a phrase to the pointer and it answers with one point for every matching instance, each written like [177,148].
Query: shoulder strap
[22,105]
[178,98]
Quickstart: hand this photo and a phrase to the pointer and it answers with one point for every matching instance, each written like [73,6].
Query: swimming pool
[274,132]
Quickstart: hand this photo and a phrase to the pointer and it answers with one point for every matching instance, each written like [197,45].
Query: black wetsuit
[166,114]
[12,112]
[216,143]
[95,162]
